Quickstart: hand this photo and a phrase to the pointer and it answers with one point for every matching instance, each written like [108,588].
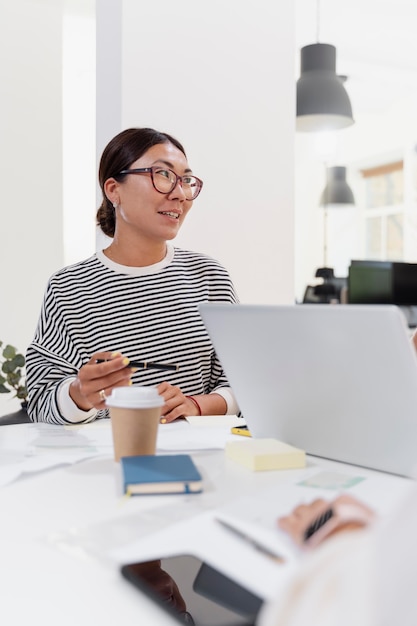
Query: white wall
[79,132]
[219,76]
[30,163]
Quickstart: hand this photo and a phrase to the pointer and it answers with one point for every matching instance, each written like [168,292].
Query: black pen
[145,365]
[253,542]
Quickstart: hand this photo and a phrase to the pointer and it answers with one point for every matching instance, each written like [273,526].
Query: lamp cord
[318,20]
[326,169]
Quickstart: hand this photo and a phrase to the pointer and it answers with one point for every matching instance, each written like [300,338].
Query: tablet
[194,592]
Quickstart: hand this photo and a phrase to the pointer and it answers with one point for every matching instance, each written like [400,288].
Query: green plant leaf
[9,352]
[7,367]
[10,365]
[14,378]
[21,392]
[19,360]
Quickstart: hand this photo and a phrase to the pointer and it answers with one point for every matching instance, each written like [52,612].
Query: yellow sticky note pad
[265,454]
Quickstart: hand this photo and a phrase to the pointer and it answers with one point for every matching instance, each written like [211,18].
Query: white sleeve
[332,585]
[227,394]
[396,564]
[69,409]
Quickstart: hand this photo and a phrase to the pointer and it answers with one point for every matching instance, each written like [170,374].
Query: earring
[115,205]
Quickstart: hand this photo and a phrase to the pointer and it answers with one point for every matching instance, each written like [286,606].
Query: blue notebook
[160,474]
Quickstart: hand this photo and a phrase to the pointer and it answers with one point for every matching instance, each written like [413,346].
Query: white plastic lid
[135,397]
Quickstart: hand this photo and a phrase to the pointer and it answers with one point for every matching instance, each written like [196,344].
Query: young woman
[137,300]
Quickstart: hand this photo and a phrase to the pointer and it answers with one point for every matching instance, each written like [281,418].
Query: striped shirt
[147,313]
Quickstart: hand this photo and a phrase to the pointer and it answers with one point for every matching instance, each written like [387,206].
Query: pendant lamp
[336,191]
[322,100]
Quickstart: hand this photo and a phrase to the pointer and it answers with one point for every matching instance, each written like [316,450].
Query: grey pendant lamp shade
[322,100]
[337,191]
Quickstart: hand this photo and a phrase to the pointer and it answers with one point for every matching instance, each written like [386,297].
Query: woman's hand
[349,514]
[95,381]
[176,403]
[301,517]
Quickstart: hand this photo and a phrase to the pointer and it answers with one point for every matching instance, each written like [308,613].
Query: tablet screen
[194,592]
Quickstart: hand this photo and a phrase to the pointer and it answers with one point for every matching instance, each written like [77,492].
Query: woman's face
[141,208]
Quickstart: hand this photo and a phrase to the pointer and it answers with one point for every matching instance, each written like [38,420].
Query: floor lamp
[336,193]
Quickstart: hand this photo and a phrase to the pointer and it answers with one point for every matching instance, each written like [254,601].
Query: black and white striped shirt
[147,313]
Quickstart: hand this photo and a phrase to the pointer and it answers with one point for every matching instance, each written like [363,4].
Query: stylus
[144,365]
[318,523]
[278,558]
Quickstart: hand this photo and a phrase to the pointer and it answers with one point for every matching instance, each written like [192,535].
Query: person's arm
[179,405]
[97,378]
[220,399]
[49,370]
[334,582]
[63,388]
[414,339]
[219,385]
[311,524]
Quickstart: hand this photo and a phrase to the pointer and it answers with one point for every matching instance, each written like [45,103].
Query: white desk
[65,530]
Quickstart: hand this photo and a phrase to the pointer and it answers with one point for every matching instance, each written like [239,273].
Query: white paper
[228,421]
[184,437]
[32,448]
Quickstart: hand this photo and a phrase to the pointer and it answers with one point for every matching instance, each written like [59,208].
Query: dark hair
[119,154]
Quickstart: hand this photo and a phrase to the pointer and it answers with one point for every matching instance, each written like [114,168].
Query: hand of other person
[95,381]
[310,524]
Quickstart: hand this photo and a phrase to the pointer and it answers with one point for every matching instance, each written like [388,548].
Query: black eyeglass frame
[150,170]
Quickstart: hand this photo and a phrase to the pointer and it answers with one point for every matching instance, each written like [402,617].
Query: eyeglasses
[165,180]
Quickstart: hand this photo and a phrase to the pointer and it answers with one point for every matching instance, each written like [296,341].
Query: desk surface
[66,528]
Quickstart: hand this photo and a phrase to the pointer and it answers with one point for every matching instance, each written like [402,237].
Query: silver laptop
[338,381]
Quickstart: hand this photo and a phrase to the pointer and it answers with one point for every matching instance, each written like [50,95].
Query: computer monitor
[405,283]
[382,282]
[370,282]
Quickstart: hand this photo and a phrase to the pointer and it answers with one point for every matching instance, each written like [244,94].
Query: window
[384,211]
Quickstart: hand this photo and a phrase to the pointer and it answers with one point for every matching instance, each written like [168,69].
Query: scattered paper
[184,437]
[35,447]
[31,448]
[228,421]
[331,480]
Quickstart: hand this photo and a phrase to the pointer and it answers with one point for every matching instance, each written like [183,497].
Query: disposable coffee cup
[134,414]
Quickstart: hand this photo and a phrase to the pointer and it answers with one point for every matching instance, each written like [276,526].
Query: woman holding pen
[129,314]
